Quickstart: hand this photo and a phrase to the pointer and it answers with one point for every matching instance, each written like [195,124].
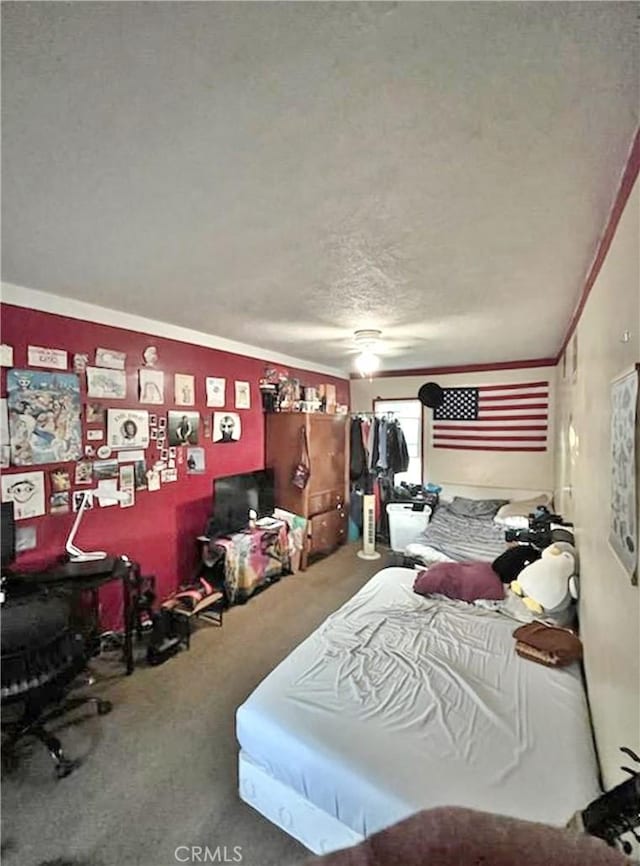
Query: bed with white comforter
[398,703]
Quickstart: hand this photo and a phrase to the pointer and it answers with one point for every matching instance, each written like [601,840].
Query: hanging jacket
[383,461]
[397,451]
[373,444]
[358,458]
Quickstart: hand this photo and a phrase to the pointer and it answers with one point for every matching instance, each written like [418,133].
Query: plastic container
[405,524]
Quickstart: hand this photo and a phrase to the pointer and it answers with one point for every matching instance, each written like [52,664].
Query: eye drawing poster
[26,491]
[44,417]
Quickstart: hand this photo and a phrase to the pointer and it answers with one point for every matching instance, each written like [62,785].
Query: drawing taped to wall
[44,417]
[39,356]
[243,395]
[216,389]
[110,358]
[184,389]
[623,528]
[26,491]
[106,384]
[151,386]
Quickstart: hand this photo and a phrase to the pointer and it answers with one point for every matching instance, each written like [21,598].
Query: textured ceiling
[284,173]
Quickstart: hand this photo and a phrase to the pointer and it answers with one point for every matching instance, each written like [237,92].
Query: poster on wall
[215,391]
[184,390]
[623,527]
[243,395]
[151,386]
[128,428]
[106,384]
[184,428]
[44,417]
[227,427]
[26,491]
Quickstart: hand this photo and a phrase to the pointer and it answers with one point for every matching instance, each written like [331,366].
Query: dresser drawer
[326,500]
[327,530]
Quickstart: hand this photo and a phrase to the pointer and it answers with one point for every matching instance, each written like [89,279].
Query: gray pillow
[476,507]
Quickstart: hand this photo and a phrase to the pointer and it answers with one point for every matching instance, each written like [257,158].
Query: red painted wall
[159,531]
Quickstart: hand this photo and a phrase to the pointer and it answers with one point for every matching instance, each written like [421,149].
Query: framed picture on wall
[623,523]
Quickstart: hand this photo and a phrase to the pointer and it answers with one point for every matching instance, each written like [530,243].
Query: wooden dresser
[323,501]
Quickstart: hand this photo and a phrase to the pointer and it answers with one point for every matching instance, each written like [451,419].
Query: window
[409,414]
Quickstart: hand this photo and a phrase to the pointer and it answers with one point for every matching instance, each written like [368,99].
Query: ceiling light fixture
[367,361]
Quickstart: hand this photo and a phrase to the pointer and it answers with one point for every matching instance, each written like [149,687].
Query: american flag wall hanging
[493,418]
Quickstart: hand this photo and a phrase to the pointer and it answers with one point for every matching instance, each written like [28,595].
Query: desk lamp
[75,554]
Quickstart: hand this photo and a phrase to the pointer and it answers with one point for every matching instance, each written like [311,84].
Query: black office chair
[42,657]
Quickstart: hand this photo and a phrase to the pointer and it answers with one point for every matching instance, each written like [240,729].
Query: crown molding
[462,368]
[627,182]
[20,296]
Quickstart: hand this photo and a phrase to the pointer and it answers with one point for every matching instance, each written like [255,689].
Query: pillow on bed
[466,581]
[521,509]
[475,507]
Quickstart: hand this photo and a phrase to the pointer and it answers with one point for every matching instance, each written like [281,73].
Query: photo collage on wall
[83,428]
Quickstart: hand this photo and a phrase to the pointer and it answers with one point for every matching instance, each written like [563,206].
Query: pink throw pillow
[466,581]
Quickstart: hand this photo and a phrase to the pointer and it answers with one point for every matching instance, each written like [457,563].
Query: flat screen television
[8,537]
[235,495]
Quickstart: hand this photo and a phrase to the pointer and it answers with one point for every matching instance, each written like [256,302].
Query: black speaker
[431,395]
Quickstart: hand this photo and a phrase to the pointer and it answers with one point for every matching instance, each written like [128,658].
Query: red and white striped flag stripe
[512,417]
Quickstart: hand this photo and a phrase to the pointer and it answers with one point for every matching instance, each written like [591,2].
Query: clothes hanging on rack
[377,446]
[358,457]
[382,445]
[372,445]
[397,451]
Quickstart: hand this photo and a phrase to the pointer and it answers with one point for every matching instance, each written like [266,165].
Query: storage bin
[405,523]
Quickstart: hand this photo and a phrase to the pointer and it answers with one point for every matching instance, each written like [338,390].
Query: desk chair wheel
[104,707]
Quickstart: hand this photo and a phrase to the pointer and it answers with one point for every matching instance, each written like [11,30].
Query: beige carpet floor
[160,771]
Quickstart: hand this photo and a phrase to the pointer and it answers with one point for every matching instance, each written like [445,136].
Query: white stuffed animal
[549,586]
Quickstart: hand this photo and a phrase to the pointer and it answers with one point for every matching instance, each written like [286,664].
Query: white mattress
[398,703]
